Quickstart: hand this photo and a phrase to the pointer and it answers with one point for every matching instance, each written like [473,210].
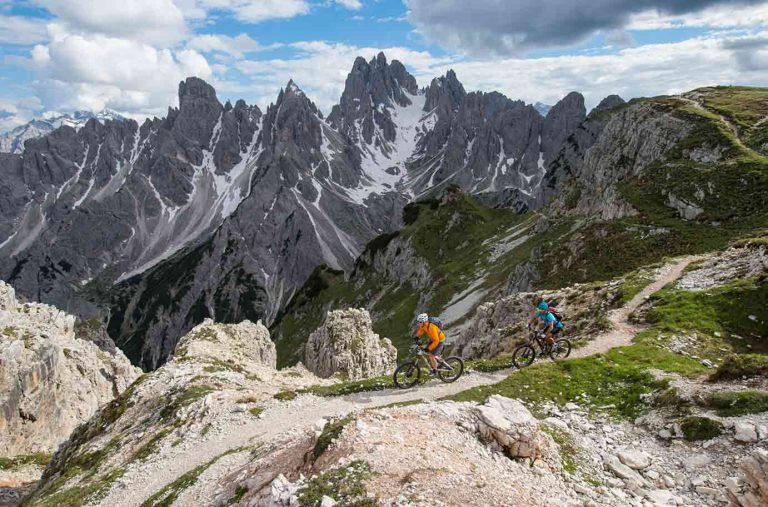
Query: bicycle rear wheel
[407,375]
[523,356]
[560,350]
[449,370]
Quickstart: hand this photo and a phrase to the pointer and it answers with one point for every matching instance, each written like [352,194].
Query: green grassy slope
[454,240]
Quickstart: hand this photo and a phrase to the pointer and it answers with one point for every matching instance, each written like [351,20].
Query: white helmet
[422,318]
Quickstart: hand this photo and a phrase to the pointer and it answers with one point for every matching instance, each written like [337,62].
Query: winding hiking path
[622,330]
[283,420]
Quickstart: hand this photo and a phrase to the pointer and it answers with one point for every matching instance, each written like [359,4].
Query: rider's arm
[550,326]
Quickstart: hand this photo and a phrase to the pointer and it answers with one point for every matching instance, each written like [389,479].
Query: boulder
[50,380]
[622,471]
[744,432]
[755,474]
[346,344]
[634,459]
[509,423]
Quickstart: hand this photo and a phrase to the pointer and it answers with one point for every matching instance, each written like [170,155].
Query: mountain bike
[525,354]
[409,372]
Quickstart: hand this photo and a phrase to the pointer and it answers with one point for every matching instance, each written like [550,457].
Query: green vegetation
[184,397]
[74,462]
[345,485]
[718,317]
[240,492]
[256,411]
[331,432]
[150,448]
[351,387]
[744,107]
[39,460]
[736,366]
[79,495]
[90,488]
[468,232]
[611,382]
[568,450]
[735,403]
[219,365]
[500,362]
[286,395]
[166,496]
[700,428]
[635,282]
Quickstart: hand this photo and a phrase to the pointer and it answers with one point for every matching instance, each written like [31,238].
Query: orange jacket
[433,332]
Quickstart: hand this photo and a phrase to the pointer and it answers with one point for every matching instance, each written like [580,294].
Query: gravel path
[622,330]
[283,420]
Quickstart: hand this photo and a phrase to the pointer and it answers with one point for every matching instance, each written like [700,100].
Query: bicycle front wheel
[560,349]
[407,375]
[523,356]
[449,370]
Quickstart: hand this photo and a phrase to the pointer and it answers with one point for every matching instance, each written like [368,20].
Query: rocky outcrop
[687,210]
[346,344]
[245,342]
[734,263]
[754,490]
[498,325]
[510,425]
[50,380]
[613,144]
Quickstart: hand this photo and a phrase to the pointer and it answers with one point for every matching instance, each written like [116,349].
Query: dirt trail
[301,415]
[622,330]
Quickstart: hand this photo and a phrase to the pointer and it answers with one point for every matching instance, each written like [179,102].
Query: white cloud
[720,16]
[15,113]
[96,71]
[158,22]
[320,69]
[255,11]
[648,70]
[22,30]
[350,4]
[236,46]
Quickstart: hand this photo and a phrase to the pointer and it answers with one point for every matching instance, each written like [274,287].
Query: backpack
[436,321]
[558,315]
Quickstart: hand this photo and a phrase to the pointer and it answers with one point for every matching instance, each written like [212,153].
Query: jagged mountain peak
[445,91]
[196,88]
[608,103]
[571,102]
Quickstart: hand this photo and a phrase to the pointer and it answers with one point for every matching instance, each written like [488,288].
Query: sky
[129,55]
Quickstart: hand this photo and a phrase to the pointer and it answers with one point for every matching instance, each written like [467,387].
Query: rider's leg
[432,361]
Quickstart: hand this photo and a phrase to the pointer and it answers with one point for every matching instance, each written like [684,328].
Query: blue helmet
[543,306]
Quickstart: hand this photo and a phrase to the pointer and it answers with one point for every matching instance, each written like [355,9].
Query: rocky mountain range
[13,140]
[224,211]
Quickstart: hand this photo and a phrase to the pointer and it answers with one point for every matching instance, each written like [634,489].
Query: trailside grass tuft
[735,403]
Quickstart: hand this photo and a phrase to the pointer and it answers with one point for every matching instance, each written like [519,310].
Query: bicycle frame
[420,357]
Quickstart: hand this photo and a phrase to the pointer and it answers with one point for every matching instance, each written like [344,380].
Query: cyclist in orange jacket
[436,337]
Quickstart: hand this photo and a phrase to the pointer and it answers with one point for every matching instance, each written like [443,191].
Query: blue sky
[63,55]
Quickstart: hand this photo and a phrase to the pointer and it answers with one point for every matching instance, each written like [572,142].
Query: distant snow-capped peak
[13,140]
